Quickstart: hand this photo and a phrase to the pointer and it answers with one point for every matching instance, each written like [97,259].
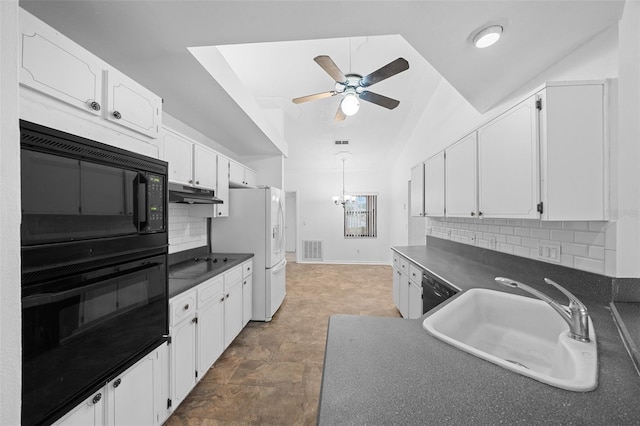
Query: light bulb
[487,37]
[350,104]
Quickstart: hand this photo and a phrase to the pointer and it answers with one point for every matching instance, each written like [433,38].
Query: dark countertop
[185,272]
[391,371]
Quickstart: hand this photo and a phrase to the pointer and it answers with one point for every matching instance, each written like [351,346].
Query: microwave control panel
[155,203]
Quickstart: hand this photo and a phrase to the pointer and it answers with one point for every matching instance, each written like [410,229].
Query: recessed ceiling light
[487,37]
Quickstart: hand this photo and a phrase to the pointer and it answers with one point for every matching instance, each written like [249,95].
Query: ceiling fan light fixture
[350,104]
[487,36]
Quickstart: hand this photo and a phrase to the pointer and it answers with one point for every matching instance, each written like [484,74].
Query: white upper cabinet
[58,67]
[434,185]
[131,105]
[241,176]
[461,178]
[177,151]
[417,190]
[190,163]
[508,164]
[573,152]
[205,165]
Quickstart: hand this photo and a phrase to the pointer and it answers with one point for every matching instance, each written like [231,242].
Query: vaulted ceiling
[249,58]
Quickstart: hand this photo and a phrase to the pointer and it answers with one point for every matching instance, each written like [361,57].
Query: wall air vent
[312,250]
[341,142]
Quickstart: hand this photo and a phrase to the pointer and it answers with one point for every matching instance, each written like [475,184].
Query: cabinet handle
[117,383]
[190,180]
[219,213]
[194,320]
[222,300]
[244,283]
[227,295]
[479,213]
[117,115]
[94,105]
[197,182]
[473,214]
[96,398]
[186,307]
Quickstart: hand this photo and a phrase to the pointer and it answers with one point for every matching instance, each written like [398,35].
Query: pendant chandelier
[343,198]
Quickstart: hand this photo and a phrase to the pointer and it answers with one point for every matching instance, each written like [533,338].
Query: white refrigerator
[256,225]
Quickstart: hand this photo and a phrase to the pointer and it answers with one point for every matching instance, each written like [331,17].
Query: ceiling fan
[353,86]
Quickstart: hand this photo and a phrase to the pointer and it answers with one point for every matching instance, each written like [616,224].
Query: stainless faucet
[575,314]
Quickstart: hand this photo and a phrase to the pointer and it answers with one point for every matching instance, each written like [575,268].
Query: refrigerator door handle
[279,266]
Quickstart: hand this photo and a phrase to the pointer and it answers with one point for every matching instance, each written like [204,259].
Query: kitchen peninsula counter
[391,371]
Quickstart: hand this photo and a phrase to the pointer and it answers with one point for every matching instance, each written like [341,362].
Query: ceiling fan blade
[389,70]
[340,116]
[314,97]
[331,68]
[377,99]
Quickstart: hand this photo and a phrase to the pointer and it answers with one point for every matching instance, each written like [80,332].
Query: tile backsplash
[185,232]
[587,246]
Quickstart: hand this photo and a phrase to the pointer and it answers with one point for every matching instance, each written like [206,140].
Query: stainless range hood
[189,195]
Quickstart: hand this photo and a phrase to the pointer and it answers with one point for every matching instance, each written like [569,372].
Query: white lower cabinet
[407,287]
[247,292]
[210,319]
[89,413]
[232,305]
[135,397]
[203,322]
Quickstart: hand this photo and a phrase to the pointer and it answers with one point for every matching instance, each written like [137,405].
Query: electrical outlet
[549,252]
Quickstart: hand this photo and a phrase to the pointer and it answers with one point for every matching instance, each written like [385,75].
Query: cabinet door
[131,395]
[222,210]
[177,151]
[183,360]
[89,413]
[210,334]
[204,167]
[232,313]
[131,105]
[461,178]
[396,287]
[415,300]
[417,190]
[404,296]
[247,299]
[58,67]
[236,173]
[508,164]
[573,154]
[250,178]
[434,185]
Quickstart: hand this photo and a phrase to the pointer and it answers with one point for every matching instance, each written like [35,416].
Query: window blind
[360,217]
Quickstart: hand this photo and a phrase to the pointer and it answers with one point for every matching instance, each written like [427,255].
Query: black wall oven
[94,266]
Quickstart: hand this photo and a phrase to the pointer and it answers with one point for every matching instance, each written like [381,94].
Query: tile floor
[271,373]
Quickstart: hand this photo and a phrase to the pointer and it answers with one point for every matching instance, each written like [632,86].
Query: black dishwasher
[434,291]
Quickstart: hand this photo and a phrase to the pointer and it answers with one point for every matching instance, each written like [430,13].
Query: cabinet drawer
[404,266]
[210,291]
[181,307]
[415,274]
[396,260]
[232,277]
[247,268]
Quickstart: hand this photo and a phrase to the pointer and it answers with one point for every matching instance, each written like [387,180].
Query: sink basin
[518,333]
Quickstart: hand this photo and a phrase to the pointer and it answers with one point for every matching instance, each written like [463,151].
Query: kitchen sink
[521,334]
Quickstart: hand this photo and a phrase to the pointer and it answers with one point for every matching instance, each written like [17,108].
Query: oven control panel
[155,203]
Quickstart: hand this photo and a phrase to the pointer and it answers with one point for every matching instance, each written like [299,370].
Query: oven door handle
[48,298]
[142,201]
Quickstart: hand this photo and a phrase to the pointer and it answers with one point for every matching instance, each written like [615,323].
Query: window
[360,217]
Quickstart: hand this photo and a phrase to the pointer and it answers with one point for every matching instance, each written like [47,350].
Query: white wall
[10,313]
[320,219]
[449,116]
